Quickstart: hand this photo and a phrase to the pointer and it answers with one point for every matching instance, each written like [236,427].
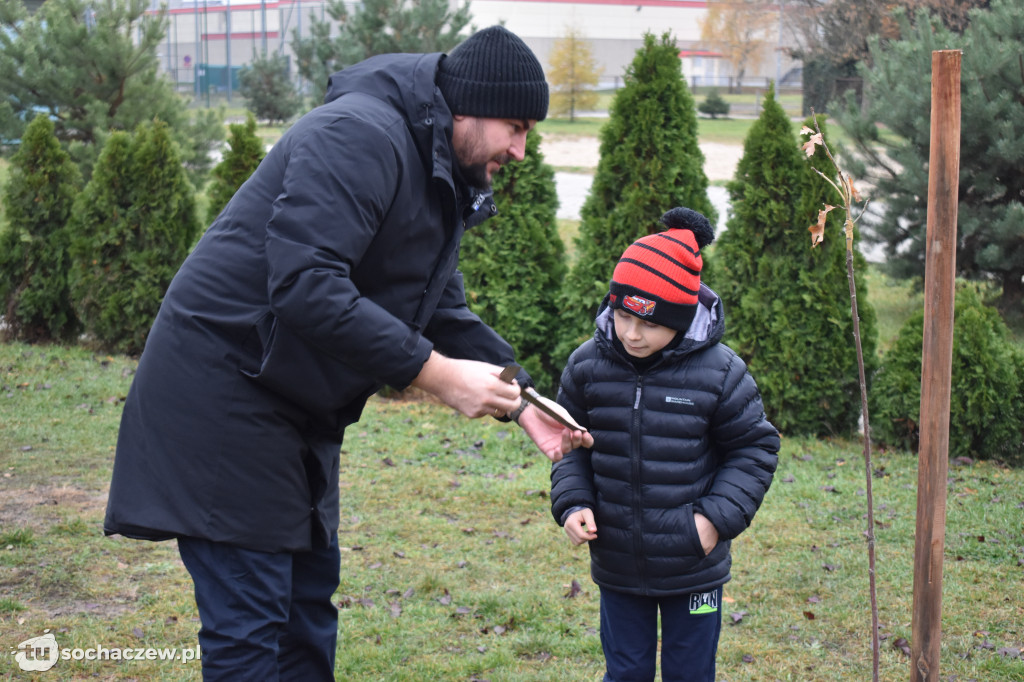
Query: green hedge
[987,393]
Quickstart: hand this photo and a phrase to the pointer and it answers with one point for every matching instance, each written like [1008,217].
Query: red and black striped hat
[658,276]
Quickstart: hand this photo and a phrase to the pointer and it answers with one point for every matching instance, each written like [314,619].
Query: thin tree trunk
[869,534]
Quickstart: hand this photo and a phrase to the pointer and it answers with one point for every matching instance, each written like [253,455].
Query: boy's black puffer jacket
[687,435]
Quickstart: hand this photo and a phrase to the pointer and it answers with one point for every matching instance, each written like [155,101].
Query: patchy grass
[724,130]
[581,127]
[453,569]
[567,232]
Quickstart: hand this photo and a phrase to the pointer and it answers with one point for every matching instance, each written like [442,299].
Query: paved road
[572,189]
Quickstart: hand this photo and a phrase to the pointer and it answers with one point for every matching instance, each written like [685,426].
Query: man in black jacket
[330,273]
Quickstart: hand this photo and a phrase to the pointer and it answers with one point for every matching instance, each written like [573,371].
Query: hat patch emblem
[638,305]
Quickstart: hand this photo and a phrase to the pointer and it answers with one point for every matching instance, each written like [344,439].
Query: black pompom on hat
[658,276]
[493,74]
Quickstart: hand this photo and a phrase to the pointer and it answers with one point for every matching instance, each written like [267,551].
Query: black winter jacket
[687,435]
[331,272]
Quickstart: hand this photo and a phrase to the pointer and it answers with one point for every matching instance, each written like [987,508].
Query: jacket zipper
[638,537]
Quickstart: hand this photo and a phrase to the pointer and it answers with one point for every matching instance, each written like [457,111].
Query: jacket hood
[406,83]
[707,328]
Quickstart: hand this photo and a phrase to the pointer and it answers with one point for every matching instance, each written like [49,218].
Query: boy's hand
[580,527]
[553,439]
[706,531]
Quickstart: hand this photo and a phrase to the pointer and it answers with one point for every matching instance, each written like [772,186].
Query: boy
[682,457]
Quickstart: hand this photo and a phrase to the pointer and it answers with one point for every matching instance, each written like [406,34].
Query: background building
[209,39]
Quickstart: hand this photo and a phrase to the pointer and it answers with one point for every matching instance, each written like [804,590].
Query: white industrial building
[208,39]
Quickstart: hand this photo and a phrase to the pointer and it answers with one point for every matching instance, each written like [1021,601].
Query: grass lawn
[453,569]
[722,130]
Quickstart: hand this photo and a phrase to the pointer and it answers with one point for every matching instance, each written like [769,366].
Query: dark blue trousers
[265,616]
[690,626]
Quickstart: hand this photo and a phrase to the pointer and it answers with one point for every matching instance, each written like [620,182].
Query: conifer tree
[649,162]
[714,105]
[94,67]
[990,216]
[267,88]
[102,232]
[788,305]
[375,27]
[513,264]
[135,223]
[244,153]
[38,198]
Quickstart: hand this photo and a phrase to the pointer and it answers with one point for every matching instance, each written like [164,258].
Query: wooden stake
[936,364]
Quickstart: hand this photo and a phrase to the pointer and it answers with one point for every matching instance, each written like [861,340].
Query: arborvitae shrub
[649,163]
[134,225]
[513,264]
[102,232]
[38,198]
[244,153]
[787,306]
[986,417]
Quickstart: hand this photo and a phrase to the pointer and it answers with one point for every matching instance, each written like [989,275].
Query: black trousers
[690,626]
[265,616]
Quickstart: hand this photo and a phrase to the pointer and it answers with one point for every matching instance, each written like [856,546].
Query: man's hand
[553,439]
[580,527]
[473,388]
[707,532]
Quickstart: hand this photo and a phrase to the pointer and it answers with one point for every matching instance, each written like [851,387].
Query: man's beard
[475,174]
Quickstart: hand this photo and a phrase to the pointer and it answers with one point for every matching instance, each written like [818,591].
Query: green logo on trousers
[704,602]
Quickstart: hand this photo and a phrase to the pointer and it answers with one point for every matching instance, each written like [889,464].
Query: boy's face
[641,339]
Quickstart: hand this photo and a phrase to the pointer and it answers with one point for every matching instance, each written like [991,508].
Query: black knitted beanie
[493,74]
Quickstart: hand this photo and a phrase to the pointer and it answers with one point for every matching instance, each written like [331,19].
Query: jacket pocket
[294,369]
[691,538]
